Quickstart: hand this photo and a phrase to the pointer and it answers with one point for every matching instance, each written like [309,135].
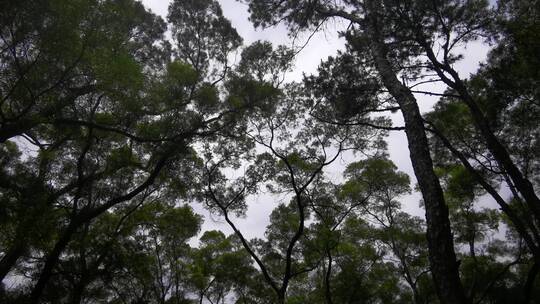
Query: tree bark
[442,257]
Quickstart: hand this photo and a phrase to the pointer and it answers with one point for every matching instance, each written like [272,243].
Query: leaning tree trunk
[50,262]
[495,147]
[442,257]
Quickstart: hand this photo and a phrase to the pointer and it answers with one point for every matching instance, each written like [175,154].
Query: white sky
[320,46]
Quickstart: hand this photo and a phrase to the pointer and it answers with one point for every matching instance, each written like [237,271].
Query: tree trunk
[529,284]
[51,261]
[327,279]
[522,227]
[500,153]
[497,149]
[442,257]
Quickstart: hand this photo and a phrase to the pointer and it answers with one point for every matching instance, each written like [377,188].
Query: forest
[118,125]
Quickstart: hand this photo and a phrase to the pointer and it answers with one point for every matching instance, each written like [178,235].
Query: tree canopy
[117,125]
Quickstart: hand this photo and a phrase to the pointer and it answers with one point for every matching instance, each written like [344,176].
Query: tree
[108,145]
[375,38]
[292,161]
[503,91]
[219,265]
[138,254]
[399,232]
[110,130]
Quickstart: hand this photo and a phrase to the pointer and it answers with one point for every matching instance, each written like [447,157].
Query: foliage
[112,137]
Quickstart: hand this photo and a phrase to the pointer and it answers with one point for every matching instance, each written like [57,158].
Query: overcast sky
[320,46]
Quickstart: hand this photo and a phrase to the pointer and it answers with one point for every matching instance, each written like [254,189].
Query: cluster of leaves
[100,113]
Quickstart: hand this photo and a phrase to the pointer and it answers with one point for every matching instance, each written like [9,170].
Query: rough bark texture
[442,257]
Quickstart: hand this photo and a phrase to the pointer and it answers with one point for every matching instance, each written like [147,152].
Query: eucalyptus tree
[492,267]
[153,258]
[40,76]
[364,240]
[106,128]
[458,24]
[380,46]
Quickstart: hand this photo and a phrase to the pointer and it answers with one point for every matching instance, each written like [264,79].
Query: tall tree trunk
[442,257]
[327,279]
